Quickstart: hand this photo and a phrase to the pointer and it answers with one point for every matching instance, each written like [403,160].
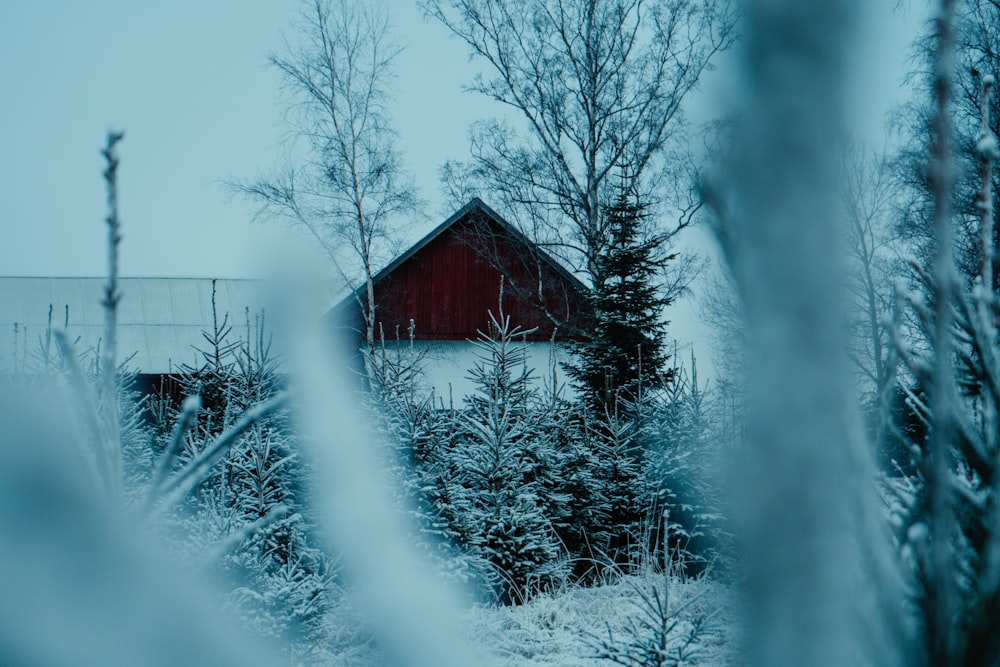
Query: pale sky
[187,81]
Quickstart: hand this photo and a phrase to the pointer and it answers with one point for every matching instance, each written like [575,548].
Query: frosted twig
[982,336]
[87,409]
[189,410]
[917,366]
[938,601]
[232,541]
[198,469]
[108,386]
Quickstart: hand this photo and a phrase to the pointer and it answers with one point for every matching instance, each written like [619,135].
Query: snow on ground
[564,629]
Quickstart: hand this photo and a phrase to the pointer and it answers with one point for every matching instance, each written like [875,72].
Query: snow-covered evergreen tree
[417,436]
[497,466]
[249,518]
[613,437]
[573,490]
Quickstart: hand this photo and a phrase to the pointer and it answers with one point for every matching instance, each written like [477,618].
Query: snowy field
[575,626]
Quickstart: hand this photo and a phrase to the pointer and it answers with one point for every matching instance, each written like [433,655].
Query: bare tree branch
[599,86]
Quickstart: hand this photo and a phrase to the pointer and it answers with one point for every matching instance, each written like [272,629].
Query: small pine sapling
[678,443]
[663,632]
[495,465]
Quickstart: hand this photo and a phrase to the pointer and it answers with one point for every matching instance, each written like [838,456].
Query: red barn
[449,281]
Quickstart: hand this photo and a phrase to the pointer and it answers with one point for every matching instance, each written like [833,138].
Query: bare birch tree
[599,86]
[977,56]
[351,188]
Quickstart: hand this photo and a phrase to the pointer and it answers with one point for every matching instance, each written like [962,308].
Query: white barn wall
[446,365]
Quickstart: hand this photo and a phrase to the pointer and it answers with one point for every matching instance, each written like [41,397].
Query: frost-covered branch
[196,471]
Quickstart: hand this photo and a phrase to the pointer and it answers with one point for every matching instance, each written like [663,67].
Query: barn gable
[448,282]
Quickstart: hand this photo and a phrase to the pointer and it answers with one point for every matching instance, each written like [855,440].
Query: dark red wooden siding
[448,287]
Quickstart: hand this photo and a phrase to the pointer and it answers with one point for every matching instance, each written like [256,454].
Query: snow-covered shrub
[137,436]
[680,439]
[612,437]
[247,521]
[576,494]
[583,626]
[665,630]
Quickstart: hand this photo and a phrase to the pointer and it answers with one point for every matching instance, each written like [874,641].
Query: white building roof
[160,320]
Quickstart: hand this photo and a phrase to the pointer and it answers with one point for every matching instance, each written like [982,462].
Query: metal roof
[160,320]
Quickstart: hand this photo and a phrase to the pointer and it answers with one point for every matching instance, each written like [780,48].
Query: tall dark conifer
[626,351]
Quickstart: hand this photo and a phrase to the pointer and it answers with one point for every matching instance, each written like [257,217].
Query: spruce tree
[500,464]
[626,351]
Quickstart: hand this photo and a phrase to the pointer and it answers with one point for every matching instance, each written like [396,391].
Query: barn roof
[478,205]
[160,320]
[343,308]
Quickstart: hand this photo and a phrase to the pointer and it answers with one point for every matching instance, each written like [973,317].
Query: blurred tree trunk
[819,580]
